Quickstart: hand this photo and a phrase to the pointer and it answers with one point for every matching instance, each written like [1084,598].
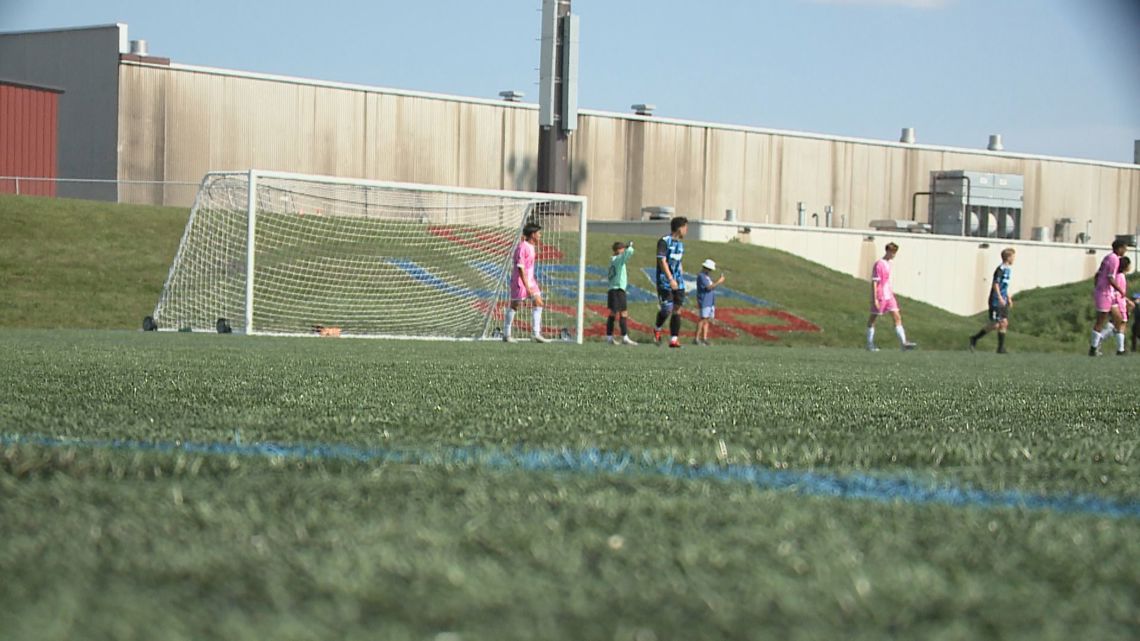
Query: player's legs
[1098,331]
[508,326]
[664,311]
[871,332]
[536,322]
[675,319]
[900,331]
[611,304]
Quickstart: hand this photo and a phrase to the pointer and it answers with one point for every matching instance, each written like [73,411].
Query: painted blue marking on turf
[592,461]
[422,275]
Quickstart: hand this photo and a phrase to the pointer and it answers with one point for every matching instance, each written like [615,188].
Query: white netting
[366,259]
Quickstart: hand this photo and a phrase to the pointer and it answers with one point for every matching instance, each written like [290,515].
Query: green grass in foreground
[120,545]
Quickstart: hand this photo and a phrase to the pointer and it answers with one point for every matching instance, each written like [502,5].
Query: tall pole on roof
[558,96]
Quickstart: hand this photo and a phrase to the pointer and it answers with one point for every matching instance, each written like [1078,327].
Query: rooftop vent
[511,95]
[139,48]
[907,135]
[644,109]
[995,143]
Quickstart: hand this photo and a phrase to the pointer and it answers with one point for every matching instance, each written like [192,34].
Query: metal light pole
[558,96]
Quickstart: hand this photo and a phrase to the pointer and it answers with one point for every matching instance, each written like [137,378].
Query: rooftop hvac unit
[967,203]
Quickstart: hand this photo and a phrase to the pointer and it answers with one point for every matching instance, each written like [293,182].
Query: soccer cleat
[872,348]
[973,343]
[1002,351]
[906,347]
[625,340]
[510,339]
[610,340]
[706,343]
[1094,352]
[539,338]
[674,343]
[657,337]
[1122,353]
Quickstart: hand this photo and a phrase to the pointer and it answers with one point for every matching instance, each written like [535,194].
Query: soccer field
[199,486]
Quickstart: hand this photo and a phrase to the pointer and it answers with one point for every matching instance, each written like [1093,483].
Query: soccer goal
[289,254]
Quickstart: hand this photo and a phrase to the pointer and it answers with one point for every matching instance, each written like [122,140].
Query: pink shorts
[1104,301]
[886,306]
[520,294]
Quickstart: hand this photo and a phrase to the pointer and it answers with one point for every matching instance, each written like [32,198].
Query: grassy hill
[82,264]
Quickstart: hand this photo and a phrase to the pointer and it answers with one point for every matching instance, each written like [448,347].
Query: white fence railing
[140,192]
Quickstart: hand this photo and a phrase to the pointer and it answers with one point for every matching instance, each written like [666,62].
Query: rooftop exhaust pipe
[139,48]
[907,136]
[995,143]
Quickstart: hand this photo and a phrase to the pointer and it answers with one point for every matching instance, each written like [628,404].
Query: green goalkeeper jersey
[618,277]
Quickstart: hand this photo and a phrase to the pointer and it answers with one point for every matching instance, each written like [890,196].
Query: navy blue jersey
[1002,275]
[672,250]
[706,294]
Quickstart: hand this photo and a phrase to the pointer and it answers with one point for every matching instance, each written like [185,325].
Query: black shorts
[999,313]
[615,301]
[674,298]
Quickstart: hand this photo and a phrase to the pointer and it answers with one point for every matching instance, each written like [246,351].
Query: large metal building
[133,116]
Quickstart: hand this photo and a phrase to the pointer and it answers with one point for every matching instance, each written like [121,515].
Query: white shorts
[708,312]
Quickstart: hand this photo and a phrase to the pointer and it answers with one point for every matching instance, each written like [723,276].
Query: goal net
[290,254]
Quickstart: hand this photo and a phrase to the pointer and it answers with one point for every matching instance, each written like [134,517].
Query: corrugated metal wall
[177,123]
[29,123]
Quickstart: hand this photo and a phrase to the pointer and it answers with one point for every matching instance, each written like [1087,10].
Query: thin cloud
[910,4]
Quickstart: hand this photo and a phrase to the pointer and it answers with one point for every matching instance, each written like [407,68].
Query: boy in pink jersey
[524,286]
[1104,297]
[1124,305]
[883,300]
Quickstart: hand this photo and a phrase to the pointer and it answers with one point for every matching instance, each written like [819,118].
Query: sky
[1055,77]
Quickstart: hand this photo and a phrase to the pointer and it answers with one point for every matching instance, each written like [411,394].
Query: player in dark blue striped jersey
[1000,302]
[670,281]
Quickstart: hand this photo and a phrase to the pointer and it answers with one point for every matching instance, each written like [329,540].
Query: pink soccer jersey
[524,258]
[1104,295]
[881,274]
[1107,272]
[1122,299]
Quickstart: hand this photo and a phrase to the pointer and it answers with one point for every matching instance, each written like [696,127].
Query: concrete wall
[947,272]
[84,63]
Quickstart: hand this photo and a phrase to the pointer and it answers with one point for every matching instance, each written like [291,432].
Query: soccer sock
[979,335]
[1001,341]
[1120,341]
[661,316]
[623,322]
[610,327]
[870,335]
[901,333]
[675,325]
[536,320]
[1095,340]
[510,323]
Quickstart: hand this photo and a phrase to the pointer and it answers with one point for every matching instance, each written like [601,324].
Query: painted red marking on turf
[490,243]
[792,323]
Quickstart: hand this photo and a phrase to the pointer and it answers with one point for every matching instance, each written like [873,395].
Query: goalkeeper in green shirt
[615,299]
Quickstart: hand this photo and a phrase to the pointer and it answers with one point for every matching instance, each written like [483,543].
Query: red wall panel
[29,129]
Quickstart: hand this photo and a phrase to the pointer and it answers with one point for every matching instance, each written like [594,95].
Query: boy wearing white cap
[706,300]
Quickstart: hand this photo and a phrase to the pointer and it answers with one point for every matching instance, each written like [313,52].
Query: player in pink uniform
[883,300]
[1124,305]
[1105,292]
[524,286]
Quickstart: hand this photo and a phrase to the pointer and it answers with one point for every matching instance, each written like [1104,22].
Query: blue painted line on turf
[854,486]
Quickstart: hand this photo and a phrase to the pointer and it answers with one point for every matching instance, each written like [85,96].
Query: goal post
[279,253]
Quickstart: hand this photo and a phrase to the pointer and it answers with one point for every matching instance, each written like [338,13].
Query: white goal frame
[255,175]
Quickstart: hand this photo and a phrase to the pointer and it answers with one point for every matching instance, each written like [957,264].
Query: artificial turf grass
[201,547]
[1035,423]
